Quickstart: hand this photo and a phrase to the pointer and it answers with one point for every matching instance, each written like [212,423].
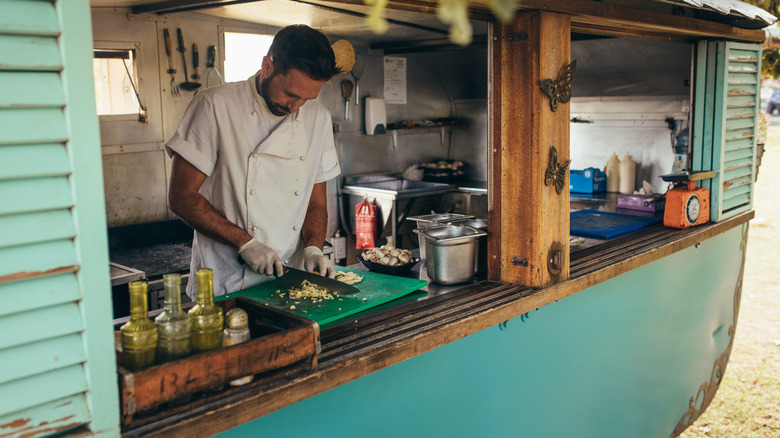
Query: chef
[250,161]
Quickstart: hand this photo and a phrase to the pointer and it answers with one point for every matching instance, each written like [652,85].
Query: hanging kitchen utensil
[187,85]
[171,71]
[195,62]
[211,58]
[357,72]
[345,55]
[346,91]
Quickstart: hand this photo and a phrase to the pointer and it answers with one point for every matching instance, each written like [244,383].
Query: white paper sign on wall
[395,80]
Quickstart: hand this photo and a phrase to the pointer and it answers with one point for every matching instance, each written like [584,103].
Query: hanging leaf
[455,13]
[376,18]
[503,10]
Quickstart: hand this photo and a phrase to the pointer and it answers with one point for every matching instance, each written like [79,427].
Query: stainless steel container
[430,220]
[480,260]
[451,252]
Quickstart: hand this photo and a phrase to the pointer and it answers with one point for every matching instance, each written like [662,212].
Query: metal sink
[383,186]
[386,190]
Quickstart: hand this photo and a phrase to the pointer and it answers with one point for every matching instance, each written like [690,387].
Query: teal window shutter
[57,365]
[726,115]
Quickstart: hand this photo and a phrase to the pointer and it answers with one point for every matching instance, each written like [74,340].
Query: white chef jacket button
[254,228]
[302,157]
[295,227]
[253,113]
[297,193]
[254,155]
[251,192]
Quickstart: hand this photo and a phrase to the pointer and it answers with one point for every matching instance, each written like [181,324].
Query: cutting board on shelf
[606,225]
[375,289]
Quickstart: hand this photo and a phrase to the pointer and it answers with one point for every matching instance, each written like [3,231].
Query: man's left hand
[315,260]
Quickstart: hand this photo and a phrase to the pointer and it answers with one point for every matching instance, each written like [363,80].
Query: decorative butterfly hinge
[559,89]
[556,173]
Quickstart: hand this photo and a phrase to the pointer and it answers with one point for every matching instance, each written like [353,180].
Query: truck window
[244,54]
[115,78]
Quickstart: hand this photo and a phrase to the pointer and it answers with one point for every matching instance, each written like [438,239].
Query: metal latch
[515,37]
[519,261]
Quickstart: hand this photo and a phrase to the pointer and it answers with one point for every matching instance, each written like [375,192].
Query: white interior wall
[634,126]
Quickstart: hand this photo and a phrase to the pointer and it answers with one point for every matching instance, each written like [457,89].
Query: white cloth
[260,172]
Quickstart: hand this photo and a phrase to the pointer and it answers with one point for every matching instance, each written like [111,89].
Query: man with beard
[250,161]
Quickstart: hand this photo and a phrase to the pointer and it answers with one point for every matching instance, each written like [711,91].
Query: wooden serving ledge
[364,345]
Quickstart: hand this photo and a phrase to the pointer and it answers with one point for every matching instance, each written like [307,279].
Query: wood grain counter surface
[368,343]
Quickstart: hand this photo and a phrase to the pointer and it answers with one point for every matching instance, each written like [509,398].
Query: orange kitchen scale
[686,204]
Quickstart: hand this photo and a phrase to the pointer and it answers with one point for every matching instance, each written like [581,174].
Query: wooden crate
[278,339]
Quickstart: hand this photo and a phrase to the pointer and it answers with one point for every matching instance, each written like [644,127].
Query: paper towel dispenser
[376,116]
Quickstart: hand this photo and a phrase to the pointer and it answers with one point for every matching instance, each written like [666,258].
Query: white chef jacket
[260,172]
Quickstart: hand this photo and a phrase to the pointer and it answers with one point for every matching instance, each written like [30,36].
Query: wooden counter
[367,344]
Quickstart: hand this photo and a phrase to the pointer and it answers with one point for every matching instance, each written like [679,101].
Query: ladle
[187,85]
[346,91]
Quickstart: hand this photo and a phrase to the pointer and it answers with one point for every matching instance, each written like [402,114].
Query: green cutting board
[375,289]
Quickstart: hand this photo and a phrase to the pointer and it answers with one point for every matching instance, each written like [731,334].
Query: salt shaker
[236,331]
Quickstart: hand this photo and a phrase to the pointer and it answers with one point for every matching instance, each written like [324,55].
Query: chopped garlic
[309,290]
[348,277]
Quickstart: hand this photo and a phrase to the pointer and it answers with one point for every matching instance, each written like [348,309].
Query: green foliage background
[770,64]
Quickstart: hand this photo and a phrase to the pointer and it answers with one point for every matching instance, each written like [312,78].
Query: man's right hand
[262,259]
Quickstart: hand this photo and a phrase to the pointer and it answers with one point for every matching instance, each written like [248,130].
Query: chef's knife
[292,278]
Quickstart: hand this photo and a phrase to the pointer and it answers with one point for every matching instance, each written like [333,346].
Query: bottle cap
[236,318]
[172,278]
[138,286]
[204,273]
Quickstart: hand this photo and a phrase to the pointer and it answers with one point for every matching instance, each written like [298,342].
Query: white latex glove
[314,260]
[262,259]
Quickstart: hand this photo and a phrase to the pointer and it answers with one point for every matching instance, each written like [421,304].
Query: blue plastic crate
[590,180]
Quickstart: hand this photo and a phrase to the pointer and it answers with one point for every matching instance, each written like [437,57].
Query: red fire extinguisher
[365,225]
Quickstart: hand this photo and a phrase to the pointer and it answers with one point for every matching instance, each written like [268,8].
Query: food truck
[585,319]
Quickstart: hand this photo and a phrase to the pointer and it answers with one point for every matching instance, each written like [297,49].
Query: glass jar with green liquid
[139,335]
[174,326]
[206,317]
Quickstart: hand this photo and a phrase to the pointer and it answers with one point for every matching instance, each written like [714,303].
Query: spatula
[346,91]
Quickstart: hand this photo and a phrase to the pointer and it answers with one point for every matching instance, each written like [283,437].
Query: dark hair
[304,49]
